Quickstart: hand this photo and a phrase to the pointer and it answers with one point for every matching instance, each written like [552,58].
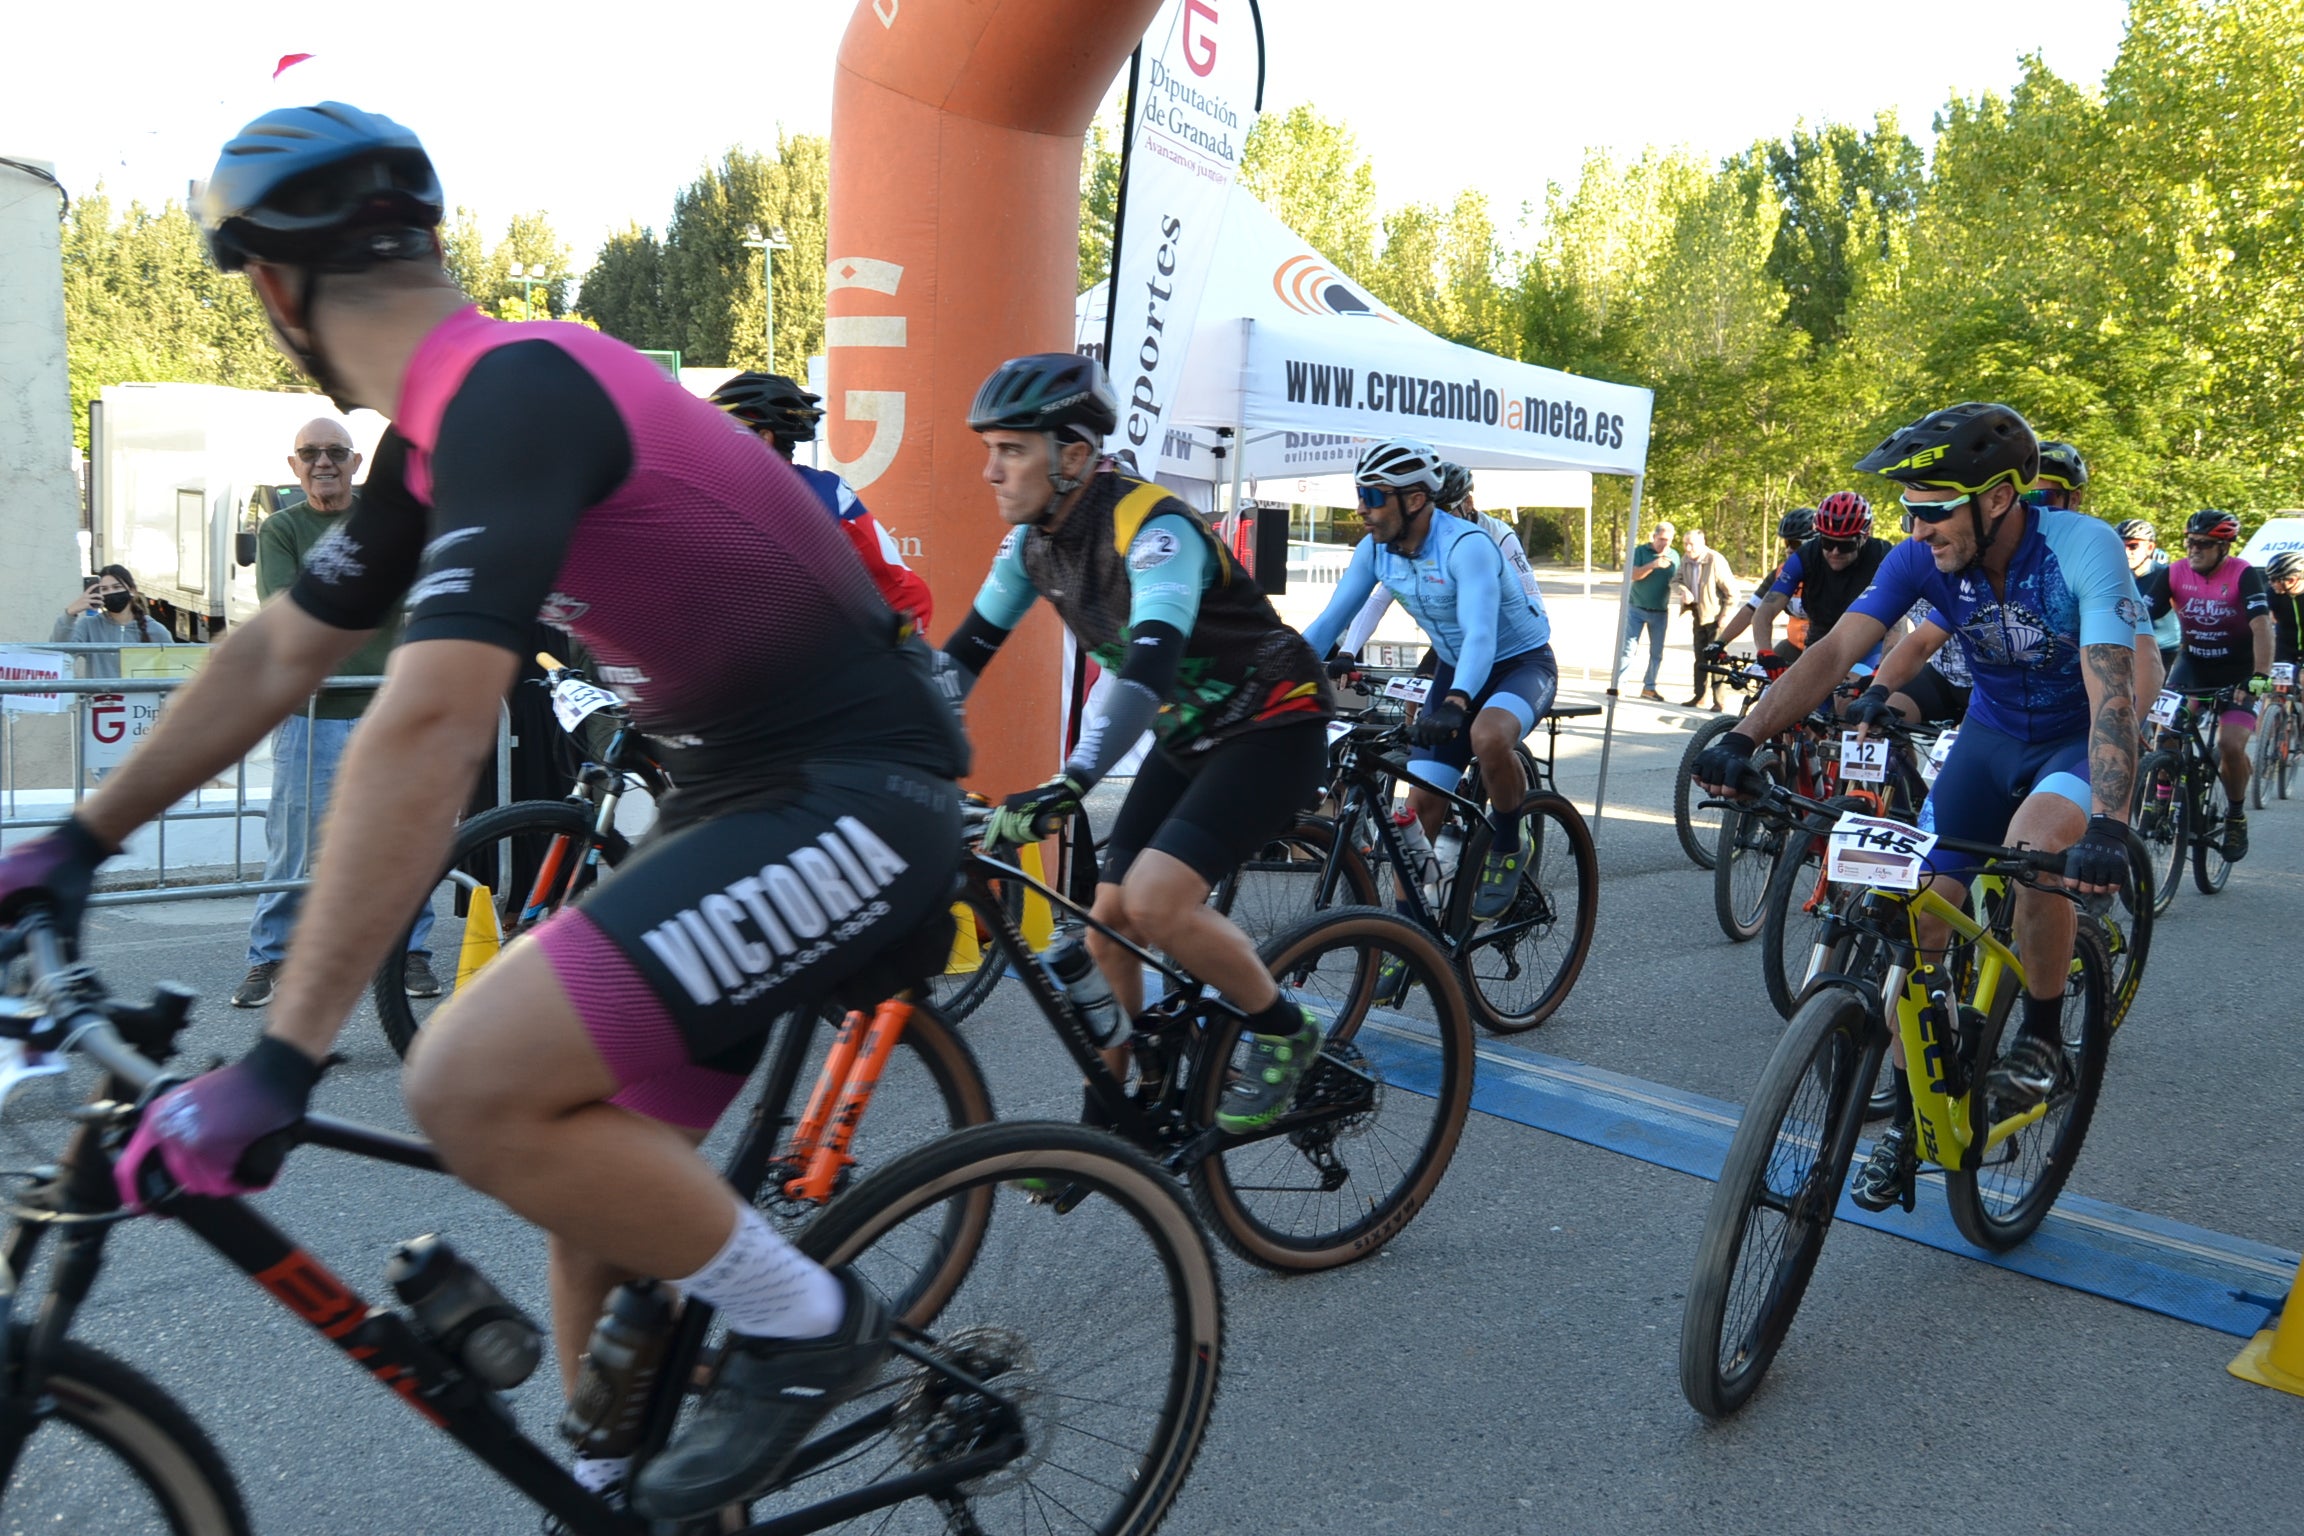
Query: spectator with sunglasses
[305,752]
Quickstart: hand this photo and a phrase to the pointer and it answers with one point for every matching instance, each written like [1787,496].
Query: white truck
[179,478]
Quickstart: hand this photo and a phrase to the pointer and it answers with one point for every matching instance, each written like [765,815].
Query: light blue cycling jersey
[2067,586]
[1168,568]
[1456,589]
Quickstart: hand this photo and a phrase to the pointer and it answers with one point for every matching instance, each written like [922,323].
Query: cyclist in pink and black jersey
[2225,610]
[810,844]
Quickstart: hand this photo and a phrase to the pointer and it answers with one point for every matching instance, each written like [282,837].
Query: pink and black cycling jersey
[545,470]
[2216,612]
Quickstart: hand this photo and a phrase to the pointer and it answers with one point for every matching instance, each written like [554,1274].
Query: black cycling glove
[1872,709]
[2101,856]
[1729,761]
[1438,723]
[1342,665]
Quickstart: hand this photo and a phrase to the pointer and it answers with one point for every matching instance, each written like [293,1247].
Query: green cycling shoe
[1269,1078]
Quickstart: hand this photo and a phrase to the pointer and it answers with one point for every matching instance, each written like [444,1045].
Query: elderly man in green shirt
[305,752]
[1653,567]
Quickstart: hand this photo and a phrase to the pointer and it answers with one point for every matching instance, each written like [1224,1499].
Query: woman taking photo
[109,611]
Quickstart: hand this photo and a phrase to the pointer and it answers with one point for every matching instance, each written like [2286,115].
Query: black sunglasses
[1841,546]
[334,453]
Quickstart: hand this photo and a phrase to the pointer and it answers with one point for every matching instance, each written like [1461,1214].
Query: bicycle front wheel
[1797,902]
[1520,968]
[1080,1356]
[1278,887]
[1699,828]
[1376,1122]
[2267,761]
[2210,868]
[2160,821]
[2003,1199]
[976,967]
[2126,929]
[1773,1206]
[511,866]
[106,1450]
[1749,845]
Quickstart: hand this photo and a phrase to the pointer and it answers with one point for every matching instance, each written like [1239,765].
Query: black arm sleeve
[354,575]
[2157,592]
[974,643]
[2255,594]
[529,444]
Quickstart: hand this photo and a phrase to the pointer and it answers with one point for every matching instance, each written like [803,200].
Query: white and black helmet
[1400,462]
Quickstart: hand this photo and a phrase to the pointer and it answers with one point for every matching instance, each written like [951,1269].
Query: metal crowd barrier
[150,883]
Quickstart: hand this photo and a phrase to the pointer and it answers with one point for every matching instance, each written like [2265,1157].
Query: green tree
[1099,202]
[1440,269]
[623,294]
[1839,194]
[713,300]
[1309,171]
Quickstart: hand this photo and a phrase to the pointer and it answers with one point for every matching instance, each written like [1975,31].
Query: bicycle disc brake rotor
[938,1420]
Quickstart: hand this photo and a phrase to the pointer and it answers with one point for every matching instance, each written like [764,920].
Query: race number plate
[1339,729]
[1863,759]
[1414,689]
[574,702]
[2164,710]
[1937,755]
[2284,673]
[1872,850]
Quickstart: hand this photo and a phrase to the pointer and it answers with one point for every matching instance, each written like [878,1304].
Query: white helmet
[1400,462]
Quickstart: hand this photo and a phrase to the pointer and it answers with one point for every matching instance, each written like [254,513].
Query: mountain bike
[1699,828]
[1061,1360]
[2279,737]
[1517,968]
[2002,1168]
[513,866]
[2181,804]
[1749,847]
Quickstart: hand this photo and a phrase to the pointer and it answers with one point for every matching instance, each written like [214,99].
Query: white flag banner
[1195,101]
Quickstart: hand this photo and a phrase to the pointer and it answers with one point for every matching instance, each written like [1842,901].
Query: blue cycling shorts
[1987,776]
[1523,685]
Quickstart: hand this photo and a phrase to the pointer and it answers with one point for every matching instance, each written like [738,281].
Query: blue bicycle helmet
[330,187]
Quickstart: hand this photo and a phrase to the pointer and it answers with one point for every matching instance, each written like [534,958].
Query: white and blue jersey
[2067,586]
[1457,590]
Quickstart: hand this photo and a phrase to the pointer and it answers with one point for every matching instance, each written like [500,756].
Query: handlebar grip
[550,662]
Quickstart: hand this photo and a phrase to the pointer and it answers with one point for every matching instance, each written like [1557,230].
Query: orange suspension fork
[859,1055]
[546,875]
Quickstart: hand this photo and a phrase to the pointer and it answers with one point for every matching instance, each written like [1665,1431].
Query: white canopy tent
[1293,368]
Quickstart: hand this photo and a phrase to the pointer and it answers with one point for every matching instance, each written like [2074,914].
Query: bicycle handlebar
[83,1024]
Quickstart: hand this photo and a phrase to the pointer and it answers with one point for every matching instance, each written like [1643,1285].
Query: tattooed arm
[2110,673]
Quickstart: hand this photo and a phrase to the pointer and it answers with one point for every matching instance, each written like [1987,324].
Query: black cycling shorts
[1216,808]
[1523,686]
[1939,698]
[681,960]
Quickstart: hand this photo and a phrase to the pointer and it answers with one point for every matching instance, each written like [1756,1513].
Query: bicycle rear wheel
[2291,745]
[1795,906]
[1097,1324]
[524,861]
[1279,886]
[2159,820]
[106,1450]
[2002,1201]
[1520,968]
[2210,868]
[1749,845]
[1774,1203]
[1378,1117]
[975,968]
[1699,828]
[2267,761]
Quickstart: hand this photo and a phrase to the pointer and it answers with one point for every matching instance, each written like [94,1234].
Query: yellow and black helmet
[1969,447]
[2061,465]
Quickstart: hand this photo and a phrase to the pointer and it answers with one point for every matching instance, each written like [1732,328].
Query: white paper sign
[574,702]
[1872,850]
[1414,689]
[2164,710]
[1937,755]
[1863,759]
[1338,730]
[35,666]
[2284,673]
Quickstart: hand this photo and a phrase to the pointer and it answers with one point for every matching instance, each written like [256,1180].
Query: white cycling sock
[598,1474]
[761,1284]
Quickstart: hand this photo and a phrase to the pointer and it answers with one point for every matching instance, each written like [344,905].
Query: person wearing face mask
[108,611]
[305,752]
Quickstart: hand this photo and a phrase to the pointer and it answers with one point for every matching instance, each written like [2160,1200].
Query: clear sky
[597,115]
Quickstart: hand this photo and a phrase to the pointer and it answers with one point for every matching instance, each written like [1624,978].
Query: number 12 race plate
[1863,759]
[1872,850]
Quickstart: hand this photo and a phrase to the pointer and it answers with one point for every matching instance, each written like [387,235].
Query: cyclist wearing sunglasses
[1827,572]
[1793,529]
[2225,610]
[1495,677]
[2142,541]
[2044,607]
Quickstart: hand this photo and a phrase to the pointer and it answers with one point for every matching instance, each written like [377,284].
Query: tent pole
[1587,564]
[1616,663]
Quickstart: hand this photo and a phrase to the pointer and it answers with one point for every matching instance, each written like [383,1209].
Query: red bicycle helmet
[2212,523]
[1843,515]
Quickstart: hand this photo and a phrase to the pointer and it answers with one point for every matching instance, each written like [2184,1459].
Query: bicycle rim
[2210,869]
[531,858]
[930,1088]
[1520,968]
[2266,766]
[113,1453]
[1795,907]
[1773,1206]
[1699,829]
[1748,849]
[1100,1321]
[976,968]
[1279,887]
[2002,1202]
[2126,928]
[1388,1099]
[2159,821]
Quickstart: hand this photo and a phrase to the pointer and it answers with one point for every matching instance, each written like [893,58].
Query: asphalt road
[1508,1363]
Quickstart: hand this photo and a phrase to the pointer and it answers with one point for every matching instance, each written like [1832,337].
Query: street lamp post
[528,277]
[767,244]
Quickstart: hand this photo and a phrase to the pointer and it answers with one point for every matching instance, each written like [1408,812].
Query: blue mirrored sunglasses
[1374,496]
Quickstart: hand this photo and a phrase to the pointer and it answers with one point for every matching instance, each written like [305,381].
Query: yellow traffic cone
[2275,1357]
[967,954]
[482,938]
[1039,918]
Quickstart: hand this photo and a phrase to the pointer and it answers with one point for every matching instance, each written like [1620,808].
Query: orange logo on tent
[1310,286]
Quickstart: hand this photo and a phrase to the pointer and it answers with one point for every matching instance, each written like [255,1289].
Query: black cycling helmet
[2285,565]
[1455,485]
[1797,526]
[329,187]
[2211,523]
[1057,392]
[773,404]
[1969,447]
[2137,528]
[2061,465]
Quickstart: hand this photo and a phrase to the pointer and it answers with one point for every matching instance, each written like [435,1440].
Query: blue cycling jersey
[2067,587]
[1456,589]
